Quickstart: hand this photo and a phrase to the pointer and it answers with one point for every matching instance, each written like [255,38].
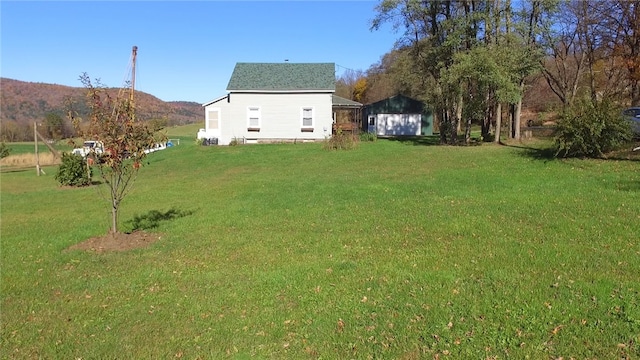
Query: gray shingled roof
[344,102]
[283,77]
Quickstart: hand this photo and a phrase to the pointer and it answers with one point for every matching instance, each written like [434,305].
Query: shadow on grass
[537,153]
[153,218]
[629,185]
[4,169]
[547,153]
[429,140]
[415,140]
[626,154]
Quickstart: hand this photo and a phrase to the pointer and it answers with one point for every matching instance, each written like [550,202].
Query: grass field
[18,148]
[391,250]
[22,155]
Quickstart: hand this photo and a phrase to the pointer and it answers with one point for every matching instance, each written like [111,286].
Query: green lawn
[29,147]
[391,250]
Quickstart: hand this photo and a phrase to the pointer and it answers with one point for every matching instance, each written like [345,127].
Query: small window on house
[372,120]
[307,117]
[213,118]
[254,117]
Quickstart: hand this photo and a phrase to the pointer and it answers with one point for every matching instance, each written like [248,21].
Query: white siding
[398,124]
[280,116]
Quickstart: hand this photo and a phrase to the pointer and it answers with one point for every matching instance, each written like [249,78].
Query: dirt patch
[117,242]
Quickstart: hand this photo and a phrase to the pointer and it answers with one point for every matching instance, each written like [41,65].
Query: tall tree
[380,83]
[593,48]
[564,66]
[359,90]
[532,20]
[53,126]
[345,83]
[433,31]
[622,21]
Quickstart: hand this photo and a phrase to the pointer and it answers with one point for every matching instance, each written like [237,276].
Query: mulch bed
[117,242]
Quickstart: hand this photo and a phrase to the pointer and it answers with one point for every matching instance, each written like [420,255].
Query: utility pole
[134,54]
[35,140]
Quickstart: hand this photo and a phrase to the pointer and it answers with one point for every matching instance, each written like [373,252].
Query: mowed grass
[390,250]
[27,147]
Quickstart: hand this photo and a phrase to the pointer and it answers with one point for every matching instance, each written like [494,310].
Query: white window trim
[313,117]
[259,109]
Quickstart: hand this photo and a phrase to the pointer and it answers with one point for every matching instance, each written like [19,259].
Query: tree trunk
[467,131]
[459,115]
[443,122]
[115,202]
[512,111]
[453,137]
[517,113]
[486,121]
[114,217]
[454,125]
[498,116]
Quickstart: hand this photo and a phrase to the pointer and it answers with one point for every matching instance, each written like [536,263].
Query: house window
[254,118]
[372,120]
[213,118]
[307,118]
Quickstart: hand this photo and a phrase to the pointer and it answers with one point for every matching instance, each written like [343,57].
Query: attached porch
[347,115]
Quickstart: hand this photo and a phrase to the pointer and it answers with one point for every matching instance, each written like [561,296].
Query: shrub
[73,171]
[368,136]
[341,141]
[591,129]
[4,150]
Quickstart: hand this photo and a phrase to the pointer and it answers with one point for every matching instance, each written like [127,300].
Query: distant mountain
[26,102]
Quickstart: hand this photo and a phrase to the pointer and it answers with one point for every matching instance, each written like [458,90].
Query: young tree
[124,141]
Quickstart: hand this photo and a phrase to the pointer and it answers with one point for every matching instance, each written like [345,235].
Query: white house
[269,102]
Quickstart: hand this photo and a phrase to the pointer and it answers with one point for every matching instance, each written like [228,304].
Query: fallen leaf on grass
[557,329]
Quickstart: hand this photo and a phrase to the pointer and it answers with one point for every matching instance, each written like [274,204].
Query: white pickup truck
[88,147]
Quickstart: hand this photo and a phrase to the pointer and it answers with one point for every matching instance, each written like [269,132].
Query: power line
[346,68]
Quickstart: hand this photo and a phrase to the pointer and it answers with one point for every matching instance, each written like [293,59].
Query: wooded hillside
[22,103]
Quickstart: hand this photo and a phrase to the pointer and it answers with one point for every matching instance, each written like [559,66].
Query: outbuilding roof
[282,77]
[397,104]
[344,102]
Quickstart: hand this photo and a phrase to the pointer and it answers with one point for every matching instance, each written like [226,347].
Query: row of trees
[472,60]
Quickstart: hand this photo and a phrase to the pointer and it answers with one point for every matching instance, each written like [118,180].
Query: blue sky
[186,49]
